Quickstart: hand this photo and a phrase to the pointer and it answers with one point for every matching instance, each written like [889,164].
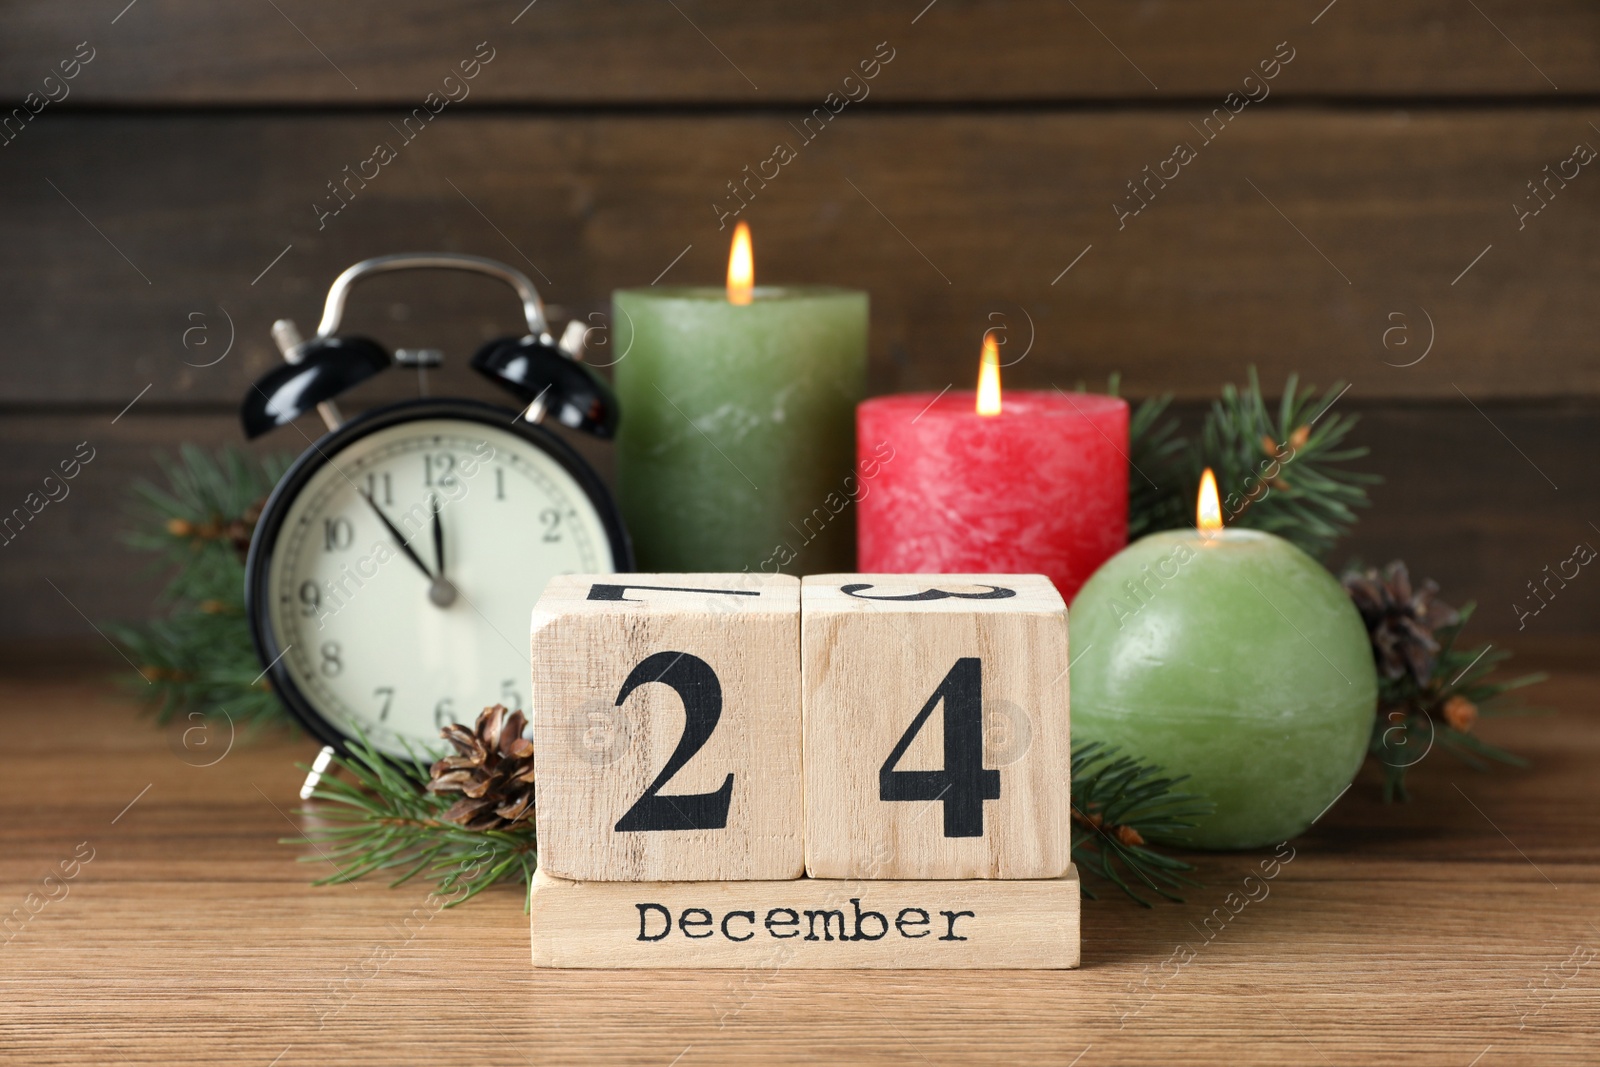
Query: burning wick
[989,378]
[1208,509]
[741,267]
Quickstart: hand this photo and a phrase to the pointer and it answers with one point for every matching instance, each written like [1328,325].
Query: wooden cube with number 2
[936,726]
[667,727]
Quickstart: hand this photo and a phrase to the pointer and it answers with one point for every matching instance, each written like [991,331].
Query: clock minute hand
[399,538]
[438,538]
[440,591]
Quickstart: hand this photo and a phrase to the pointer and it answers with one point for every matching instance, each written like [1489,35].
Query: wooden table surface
[1461,929]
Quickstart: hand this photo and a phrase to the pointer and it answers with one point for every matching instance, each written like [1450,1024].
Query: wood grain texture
[808,924]
[193,936]
[1290,242]
[666,726]
[923,689]
[188,52]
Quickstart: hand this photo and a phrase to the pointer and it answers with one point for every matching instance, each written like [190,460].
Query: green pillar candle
[1234,658]
[737,442]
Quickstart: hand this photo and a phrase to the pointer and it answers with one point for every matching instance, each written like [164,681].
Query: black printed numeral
[619,592]
[337,535]
[551,518]
[962,784]
[994,592]
[438,470]
[380,487]
[697,686]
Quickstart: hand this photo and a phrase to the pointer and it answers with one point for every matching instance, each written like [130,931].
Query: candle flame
[989,378]
[741,267]
[1208,509]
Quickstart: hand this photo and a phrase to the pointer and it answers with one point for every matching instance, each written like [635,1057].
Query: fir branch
[193,662]
[1283,473]
[1412,718]
[1431,691]
[385,820]
[1157,455]
[1284,476]
[1117,802]
[199,525]
[197,657]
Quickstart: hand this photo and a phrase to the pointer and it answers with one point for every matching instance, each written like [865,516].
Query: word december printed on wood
[807,923]
[784,922]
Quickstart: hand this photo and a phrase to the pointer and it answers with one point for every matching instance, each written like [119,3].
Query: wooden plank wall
[1365,215]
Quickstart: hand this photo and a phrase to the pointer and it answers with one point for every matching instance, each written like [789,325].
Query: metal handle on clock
[532,305]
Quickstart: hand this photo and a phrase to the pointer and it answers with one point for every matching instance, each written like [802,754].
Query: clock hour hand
[399,538]
[442,592]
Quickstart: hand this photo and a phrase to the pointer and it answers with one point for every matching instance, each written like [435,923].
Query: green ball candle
[1232,657]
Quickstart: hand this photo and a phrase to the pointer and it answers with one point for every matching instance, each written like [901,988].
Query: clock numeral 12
[962,784]
[439,470]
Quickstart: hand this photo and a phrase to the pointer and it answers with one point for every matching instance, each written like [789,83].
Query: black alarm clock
[392,572]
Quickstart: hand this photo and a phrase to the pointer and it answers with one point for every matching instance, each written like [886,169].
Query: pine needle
[384,820]
[196,658]
[1283,472]
[1113,794]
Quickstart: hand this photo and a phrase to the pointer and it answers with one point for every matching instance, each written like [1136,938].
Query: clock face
[403,570]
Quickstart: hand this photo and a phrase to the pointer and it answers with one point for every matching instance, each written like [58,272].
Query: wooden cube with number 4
[936,726]
[666,727]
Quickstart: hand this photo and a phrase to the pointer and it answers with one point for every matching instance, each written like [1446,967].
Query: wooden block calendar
[856,771]
[666,739]
[936,733]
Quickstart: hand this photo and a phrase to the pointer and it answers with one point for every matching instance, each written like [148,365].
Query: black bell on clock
[544,374]
[392,572]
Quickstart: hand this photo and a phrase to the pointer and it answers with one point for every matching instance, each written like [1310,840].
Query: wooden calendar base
[809,923]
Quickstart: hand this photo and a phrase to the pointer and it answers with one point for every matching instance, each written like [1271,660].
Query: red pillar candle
[1038,487]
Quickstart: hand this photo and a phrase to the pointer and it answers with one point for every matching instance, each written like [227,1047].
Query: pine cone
[492,770]
[1400,620]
